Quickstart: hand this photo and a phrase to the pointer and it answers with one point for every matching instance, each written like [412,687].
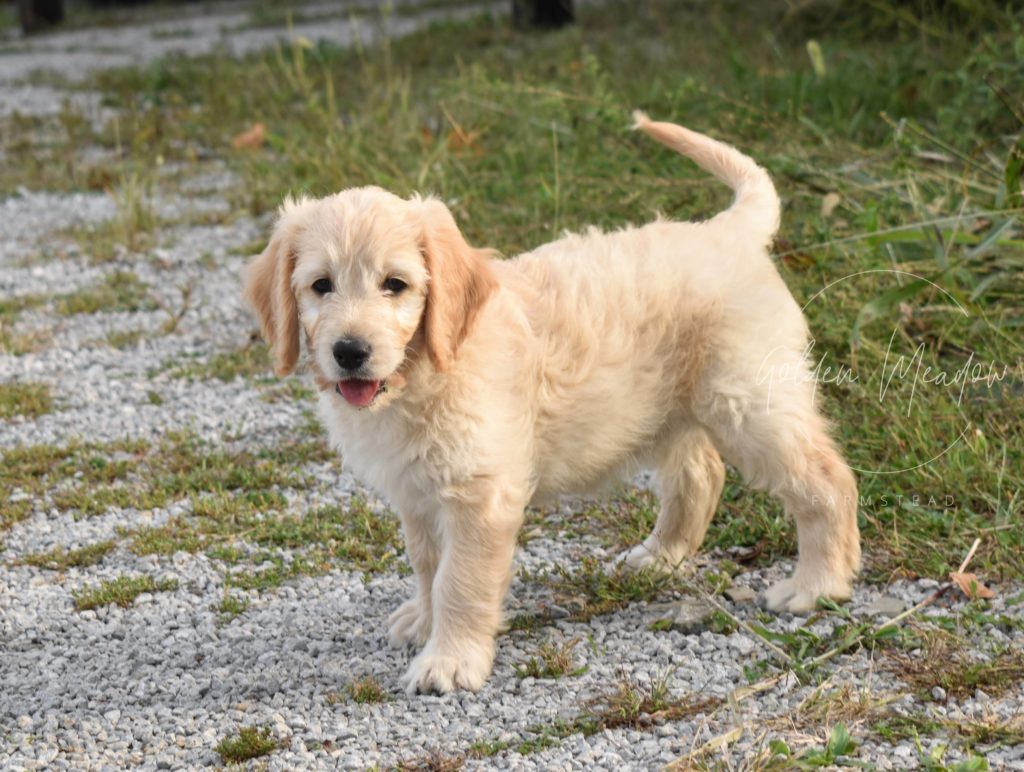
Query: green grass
[839,750]
[10,307]
[29,400]
[552,660]
[627,705]
[959,670]
[351,536]
[251,742]
[238,510]
[40,154]
[30,470]
[121,591]
[89,479]
[130,230]
[59,559]
[244,362]
[119,291]
[231,606]
[124,338]
[591,589]
[10,311]
[364,691]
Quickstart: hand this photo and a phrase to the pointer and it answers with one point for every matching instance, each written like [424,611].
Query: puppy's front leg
[411,622]
[478,534]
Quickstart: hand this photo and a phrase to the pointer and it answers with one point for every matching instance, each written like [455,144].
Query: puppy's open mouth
[360,393]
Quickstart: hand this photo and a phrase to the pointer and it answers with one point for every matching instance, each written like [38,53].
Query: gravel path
[160,682]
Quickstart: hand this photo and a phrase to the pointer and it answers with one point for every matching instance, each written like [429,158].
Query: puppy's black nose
[351,353]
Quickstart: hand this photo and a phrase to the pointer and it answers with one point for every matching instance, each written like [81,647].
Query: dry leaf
[461,140]
[970,586]
[829,203]
[253,137]
[792,258]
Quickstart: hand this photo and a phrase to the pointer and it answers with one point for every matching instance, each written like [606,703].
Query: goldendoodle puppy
[463,387]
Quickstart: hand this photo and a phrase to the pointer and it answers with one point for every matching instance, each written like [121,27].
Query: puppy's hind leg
[690,477]
[782,445]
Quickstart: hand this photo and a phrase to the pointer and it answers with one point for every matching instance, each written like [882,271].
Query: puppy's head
[373,280]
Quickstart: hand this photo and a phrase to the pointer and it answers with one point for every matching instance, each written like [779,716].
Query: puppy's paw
[651,555]
[410,624]
[799,597]
[464,666]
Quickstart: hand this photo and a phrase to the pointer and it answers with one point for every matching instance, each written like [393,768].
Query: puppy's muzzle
[351,354]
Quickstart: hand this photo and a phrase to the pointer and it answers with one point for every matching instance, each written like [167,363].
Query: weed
[595,590]
[130,230]
[59,559]
[806,651]
[846,705]
[30,400]
[179,467]
[367,690]
[121,591]
[250,743]
[290,390]
[432,762]
[837,752]
[946,663]
[623,520]
[352,536]
[247,361]
[551,661]
[124,338]
[119,291]
[991,732]
[628,706]
[899,727]
[721,623]
[17,344]
[934,761]
[26,472]
[636,706]
[273,572]
[236,501]
[39,154]
[11,307]
[231,606]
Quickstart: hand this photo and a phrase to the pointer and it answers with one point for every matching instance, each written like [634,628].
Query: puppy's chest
[398,454]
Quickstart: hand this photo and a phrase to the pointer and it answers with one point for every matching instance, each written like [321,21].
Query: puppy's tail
[756,207]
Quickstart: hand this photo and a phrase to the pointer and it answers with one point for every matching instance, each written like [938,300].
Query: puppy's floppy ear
[461,281]
[268,290]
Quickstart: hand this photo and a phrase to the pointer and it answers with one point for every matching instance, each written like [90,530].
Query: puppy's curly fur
[464,387]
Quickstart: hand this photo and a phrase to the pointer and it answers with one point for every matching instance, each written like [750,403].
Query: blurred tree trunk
[542,13]
[39,14]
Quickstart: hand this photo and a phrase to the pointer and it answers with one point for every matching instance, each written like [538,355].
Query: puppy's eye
[322,286]
[394,285]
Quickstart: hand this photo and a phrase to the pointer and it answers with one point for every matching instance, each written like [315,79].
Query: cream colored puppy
[464,387]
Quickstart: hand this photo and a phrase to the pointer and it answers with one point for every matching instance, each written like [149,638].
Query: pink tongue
[357,392]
